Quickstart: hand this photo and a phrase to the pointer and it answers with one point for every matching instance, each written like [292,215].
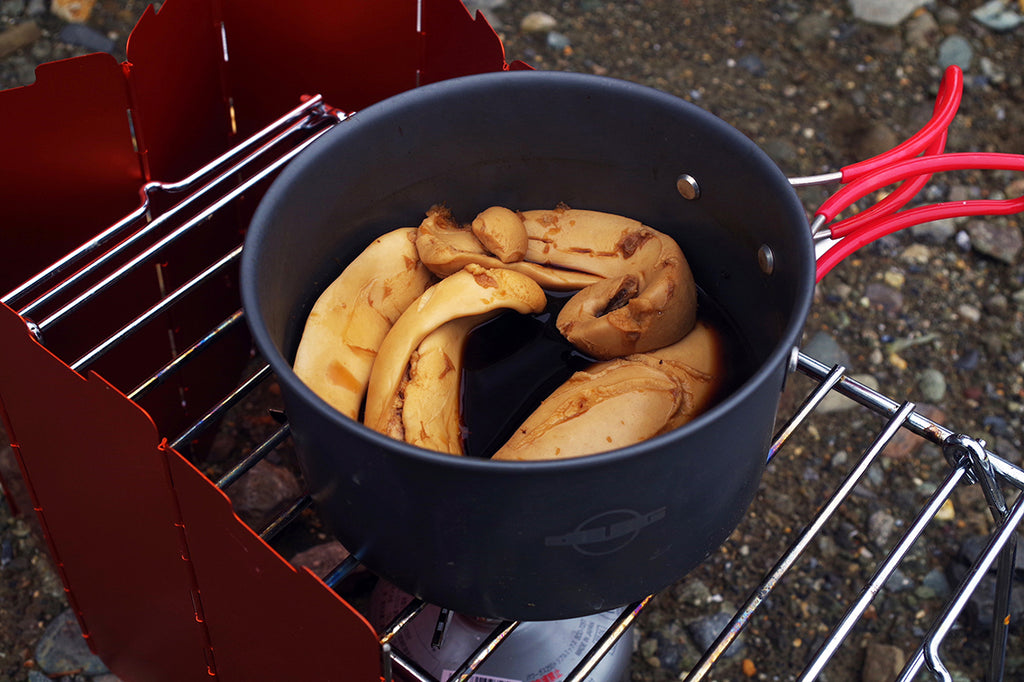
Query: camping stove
[121,323]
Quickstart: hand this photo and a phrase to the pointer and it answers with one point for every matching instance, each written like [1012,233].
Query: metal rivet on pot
[766,259]
[688,187]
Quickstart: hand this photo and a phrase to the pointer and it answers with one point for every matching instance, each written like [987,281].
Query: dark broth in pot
[513,362]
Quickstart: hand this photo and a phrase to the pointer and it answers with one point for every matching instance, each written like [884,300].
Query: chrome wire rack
[47,299]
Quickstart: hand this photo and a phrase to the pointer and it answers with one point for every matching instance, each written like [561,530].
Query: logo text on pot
[606,532]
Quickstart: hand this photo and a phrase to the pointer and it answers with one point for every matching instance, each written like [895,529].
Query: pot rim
[780,354]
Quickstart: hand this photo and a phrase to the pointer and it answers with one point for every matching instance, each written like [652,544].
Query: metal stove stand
[104,260]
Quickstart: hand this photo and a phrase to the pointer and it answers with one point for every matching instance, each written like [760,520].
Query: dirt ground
[818,89]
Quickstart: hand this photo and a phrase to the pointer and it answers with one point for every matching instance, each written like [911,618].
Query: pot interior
[530,140]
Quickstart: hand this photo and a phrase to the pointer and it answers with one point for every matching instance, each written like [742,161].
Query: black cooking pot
[537,540]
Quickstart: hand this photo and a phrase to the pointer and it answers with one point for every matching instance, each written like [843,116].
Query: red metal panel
[353,53]
[177,93]
[457,43]
[267,620]
[165,580]
[101,490]
[67,166]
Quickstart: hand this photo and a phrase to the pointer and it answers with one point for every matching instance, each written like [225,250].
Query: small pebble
[946,511]
[813,30]
[882,662]
[706,630]
[76,11]
[538,22]
[997,304]
[884,12]
[558,42]
[694,593]
[935,232]
[999,240]
[881,525]
[955,50]
[917,254]
[835,402]
[898,582]
[824,348]
[12,7]
[932,384]
[752,64]
[262,491]
[87,37]
[998,15]
[922,30]
[894,279]
[936,580]
[62,648]
[969,313]
[884,296]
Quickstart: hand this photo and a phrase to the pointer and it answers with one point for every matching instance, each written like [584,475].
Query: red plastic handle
[902,165]
[914,216]
[946,105]
[931,140]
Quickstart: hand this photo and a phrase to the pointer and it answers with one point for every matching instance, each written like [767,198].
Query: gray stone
[936,231]
[752,64]
[1001,241]
[262,491]
[558,41]
[706,630]
[783,151]
[882,663]
[884,12]
[835,402]
[876,138]
[322,558]
[968,313]
[538,22]
[693,592]
[1005,448]
[473,5]
[12,8]
[881,525]
[981,605]
[824,348]
[997,304]
[63,648]
[956,50]
[992,70]
[898,582]
[972,547]
[947,16]
[814,30]
[884,296]
[936,580]
[87,37]
[674,651]
[922,30]
[932,384]
[998,16]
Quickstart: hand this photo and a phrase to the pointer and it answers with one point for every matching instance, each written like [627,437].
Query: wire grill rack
[140,239]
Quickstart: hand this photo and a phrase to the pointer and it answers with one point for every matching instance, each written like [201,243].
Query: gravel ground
[932,315]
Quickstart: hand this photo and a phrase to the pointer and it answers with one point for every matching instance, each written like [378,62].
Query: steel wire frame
[969,462]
